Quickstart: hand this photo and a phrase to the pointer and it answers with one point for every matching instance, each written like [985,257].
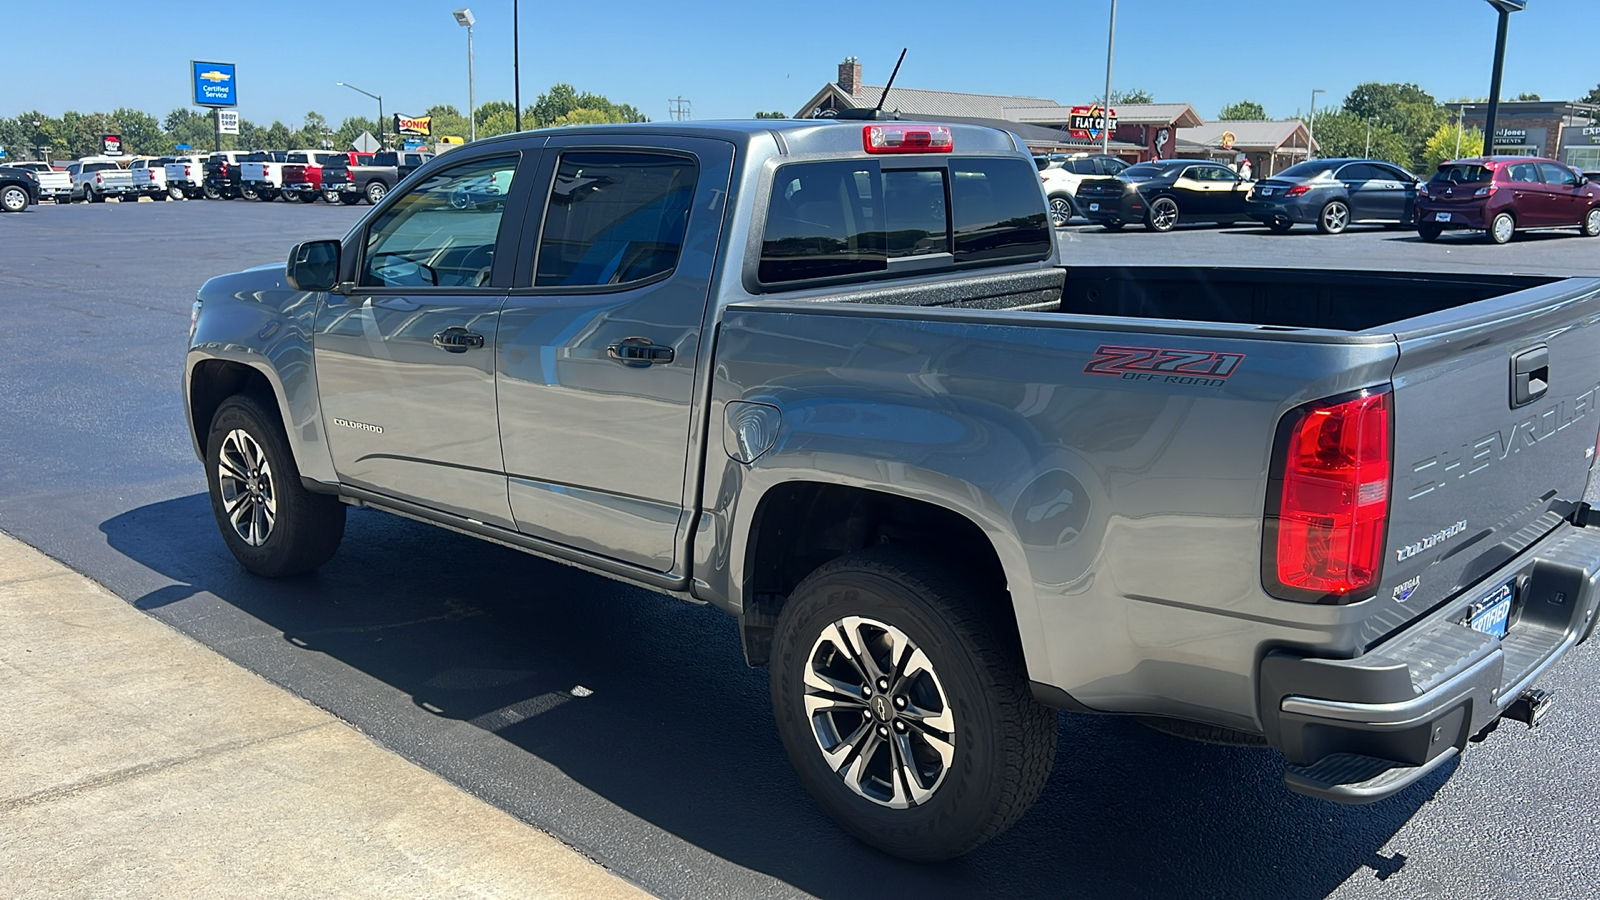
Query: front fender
[253,318]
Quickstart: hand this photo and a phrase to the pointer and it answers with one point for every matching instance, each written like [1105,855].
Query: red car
[1502,195]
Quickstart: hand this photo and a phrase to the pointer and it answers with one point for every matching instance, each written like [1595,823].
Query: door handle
[639,352]
[1530,375]
[456,339]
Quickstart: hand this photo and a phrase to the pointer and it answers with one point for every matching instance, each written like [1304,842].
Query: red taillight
[98,180]
[187,171]
[907,139]
[1325,538]
[1485,191]
[1297,190]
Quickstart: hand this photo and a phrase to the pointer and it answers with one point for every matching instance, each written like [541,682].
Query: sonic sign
[215,84]
[1089,122]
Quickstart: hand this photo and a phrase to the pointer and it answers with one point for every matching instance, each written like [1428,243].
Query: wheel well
[802,525]
[215,380]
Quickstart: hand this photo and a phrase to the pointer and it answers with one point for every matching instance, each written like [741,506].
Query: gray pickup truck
[832,377]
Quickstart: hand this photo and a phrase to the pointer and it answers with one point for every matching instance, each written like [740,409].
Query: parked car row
[1497,195]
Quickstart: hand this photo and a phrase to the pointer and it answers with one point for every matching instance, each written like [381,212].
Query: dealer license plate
[1441,217]
[1266,192]
[1094,207]
[1491,614]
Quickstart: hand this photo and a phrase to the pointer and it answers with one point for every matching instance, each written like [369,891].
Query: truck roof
[793,135]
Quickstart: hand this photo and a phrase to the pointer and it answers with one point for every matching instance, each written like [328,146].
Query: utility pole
[678,108]
[1311,125]
[1368,154]
[1105,112]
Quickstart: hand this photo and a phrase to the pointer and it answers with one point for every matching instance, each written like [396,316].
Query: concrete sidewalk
[135,762]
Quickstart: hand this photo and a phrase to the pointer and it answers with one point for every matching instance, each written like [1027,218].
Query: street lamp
[1505,8]
[380,108]
[1461,125]
[516,68]
[1311,125]
[464,19]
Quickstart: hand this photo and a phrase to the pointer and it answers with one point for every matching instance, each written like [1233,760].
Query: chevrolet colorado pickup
[833,378]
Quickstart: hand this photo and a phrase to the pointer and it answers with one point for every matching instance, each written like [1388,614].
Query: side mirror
[313,266]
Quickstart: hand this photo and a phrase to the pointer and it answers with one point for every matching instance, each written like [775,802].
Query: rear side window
[1527,173]
[1465,173]
[832,219]
[615,218]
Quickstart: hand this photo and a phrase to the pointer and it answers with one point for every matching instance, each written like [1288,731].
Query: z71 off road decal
[1203,367]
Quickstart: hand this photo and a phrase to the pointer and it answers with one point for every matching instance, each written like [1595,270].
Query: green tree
[1527,96]
[1408,109]
[498,121]
[1131,97]
[1442,146]
[351,128]
[1339,132]
[141,133]
[563,99]
[1593,96]
[185,126]
[277,136]
[485,110]
[447,120]
[770,115]
[1243,110]
[311,134]
[252,136]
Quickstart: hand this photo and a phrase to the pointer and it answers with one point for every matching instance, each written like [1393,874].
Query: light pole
[1311,125]
[1105,111]
[1461,125]
[1505,8]
[380,108]
[516,68]
[464,18]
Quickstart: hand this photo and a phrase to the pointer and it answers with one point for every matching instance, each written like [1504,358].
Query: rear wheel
[92,197]
[13,199]
[1162,215]
[1591,223]
[1061,209]
[158,196]
[270,522]
[176,193]
[1113,224]
[1280,225]
[1502,228]
[211,192]
[904,705]
[249,192]
[1429,231]
[1334,218]
[377,189]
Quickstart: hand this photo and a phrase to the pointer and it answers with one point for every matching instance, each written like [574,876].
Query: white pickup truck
[261,175]
[150,177]
[52,184]
[97,177]
[184,177]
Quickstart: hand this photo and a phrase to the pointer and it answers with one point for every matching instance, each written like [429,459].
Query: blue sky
[733,58]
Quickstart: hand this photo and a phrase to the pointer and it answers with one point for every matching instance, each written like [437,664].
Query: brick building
[1557,129]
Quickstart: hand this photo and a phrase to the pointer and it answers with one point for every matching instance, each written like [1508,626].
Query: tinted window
[824,219]
[1209,173]
[915,222]
[1464,173]
[1557,175]
[1082,167]
[1147,171]
[384,159]
[99,167]
[1360,172]
[296,158]
[998,211]
[1524,172]
[1305,171]
[1112,166]
[1390,173]
[441,232]
[615,218]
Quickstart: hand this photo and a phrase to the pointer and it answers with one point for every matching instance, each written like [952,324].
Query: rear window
[98,167]
[832,219]
[1464,173]
[1305,170]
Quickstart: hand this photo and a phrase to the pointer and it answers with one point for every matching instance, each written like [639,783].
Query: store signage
[1089,122]
[227,121]
[1228,140]
[1506,134]
[111,144]
[419,125]
[1592,135]
[214,83]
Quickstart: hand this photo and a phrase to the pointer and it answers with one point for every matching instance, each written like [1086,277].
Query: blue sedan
[1334,194]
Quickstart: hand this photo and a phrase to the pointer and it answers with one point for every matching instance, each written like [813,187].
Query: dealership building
[1555,129]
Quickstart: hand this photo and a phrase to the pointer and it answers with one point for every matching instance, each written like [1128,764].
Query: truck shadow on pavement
[485,647]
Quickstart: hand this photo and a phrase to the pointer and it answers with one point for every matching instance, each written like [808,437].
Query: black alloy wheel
[1162,216]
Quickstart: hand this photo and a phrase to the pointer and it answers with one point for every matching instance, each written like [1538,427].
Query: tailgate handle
[1530,375]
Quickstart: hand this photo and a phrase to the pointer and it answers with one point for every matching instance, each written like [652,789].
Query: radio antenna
[885,94]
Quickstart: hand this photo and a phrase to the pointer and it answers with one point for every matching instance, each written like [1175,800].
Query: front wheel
[1162,215]
[1061,210]
[1591,223]
[901,698]
[1501,228]
[13,199]
[270,522]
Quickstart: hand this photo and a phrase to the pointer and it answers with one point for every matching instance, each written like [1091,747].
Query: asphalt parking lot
[461,655]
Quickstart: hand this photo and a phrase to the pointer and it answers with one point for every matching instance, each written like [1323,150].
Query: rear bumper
[1127,208]
[1461,216]
[1358,730]
[1294,210]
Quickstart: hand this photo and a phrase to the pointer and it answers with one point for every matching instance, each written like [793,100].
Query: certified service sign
[215,84]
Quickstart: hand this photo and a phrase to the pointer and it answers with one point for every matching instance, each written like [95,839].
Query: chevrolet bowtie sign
[215,84]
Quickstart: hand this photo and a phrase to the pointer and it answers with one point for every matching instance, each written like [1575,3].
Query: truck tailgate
[1494,435]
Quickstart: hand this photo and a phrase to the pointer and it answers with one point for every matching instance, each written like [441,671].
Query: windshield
[1306,170]
[1464,173]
